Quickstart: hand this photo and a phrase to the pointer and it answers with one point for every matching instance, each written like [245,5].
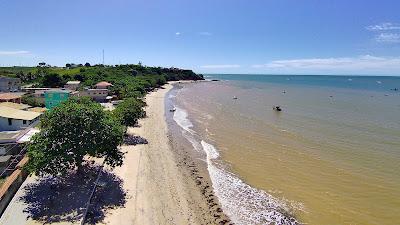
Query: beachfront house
[103,85]
[10,84]
[98,95]
[12,119]
[72,85]
[10,97]
[15,105]
[53,98]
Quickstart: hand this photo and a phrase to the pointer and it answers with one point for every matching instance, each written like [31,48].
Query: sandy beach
[165,184]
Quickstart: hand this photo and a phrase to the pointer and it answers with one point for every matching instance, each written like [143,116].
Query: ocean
[331,156]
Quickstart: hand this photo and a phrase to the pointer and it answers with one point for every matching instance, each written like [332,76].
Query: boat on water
[277,108]
[234,97]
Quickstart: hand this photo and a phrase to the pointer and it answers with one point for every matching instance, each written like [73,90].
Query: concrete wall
[15,124]
[98,95]
[72,86]
[11,185]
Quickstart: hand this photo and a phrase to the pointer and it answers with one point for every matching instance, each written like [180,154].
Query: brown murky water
[332,155]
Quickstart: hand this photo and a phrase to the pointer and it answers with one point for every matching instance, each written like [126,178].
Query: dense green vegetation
[129,111]
[32,101]
[76,128]
[129,80]
[80,127]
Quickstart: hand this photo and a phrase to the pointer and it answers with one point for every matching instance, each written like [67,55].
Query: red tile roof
[103,83]
[9,96]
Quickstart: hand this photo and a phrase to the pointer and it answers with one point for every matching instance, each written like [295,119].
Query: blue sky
[208,36]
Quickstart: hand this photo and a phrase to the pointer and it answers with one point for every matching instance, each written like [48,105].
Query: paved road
[14,213]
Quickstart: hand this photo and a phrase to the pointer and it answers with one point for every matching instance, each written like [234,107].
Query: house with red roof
[103,85]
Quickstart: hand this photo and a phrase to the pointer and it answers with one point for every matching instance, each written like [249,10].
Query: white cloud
[9,53]
[383,27]
[204,33]
[178,33]
[361,63]
[225,66]
[388,38]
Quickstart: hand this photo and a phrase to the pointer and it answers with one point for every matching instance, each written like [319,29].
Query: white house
[99,95]
[72,85]
[15,119]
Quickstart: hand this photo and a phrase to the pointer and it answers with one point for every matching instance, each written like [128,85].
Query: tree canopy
[129,80]
[69,132]
[52,80]
[129,111]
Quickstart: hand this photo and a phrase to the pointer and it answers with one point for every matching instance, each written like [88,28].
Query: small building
[72,85]
[15,105]
[10,97]
[14,119]
[98,95]
[54,97]
[10,84]
[103,85]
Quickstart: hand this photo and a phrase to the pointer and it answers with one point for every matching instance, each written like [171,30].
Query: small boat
[277,108]
[173,109]
[234,97]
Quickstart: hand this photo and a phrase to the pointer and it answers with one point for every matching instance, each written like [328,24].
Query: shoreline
[165,181]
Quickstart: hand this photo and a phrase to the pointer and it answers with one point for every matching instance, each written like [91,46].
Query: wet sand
[164,180]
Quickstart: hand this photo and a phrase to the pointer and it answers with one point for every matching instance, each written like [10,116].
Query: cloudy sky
[208,36]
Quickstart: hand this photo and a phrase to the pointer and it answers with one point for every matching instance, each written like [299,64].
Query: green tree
[52,80]
[129,111]
[87,64]
[78,77]
[32,101]
[69,132]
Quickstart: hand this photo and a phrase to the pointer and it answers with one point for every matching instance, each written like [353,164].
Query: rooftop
[8,135]
[15,105]
[12,113]
[59,90]
[9,96]
[74,82]
[103,83]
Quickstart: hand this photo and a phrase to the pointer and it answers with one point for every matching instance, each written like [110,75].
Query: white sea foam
[241,202]
[180,117]
[210,150]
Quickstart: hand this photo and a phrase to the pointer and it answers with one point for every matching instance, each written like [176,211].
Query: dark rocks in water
[134,140]
[214,80]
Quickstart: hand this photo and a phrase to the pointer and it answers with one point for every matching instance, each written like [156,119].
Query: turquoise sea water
[374,83]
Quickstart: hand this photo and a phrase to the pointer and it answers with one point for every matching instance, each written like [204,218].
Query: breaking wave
[180,117]
[241,202]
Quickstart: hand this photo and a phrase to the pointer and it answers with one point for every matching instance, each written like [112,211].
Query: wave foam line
[180,117]
[242,203]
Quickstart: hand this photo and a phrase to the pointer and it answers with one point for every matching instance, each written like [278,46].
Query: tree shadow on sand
[64,200]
